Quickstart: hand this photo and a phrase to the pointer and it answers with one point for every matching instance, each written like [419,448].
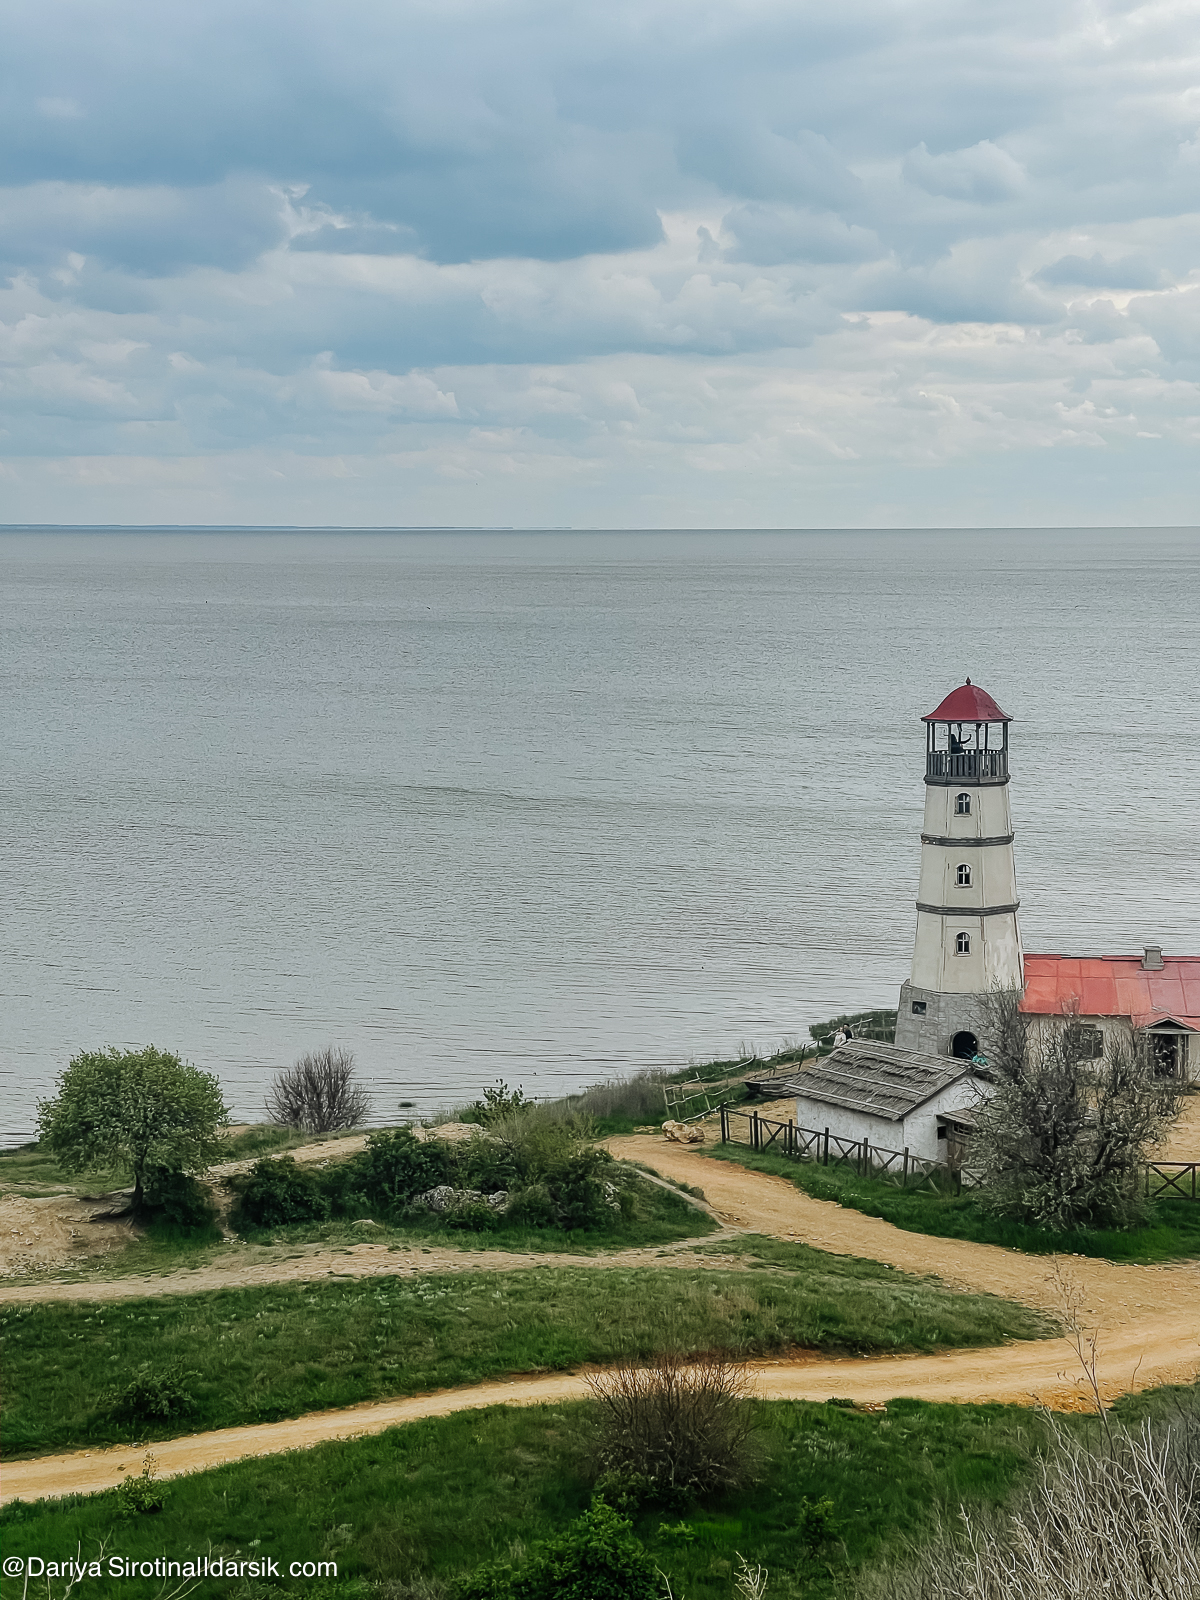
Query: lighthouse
[968,943]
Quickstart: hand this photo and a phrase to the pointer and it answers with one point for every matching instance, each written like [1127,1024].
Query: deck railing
[972,766]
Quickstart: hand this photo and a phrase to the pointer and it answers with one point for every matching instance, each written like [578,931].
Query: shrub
[141,1495]
[154,1394]
[319,1094]
[179,1202]
[532,1207]
[393,1168]
[597,1558]
[683,1424]
[497,1103]
[277,1191]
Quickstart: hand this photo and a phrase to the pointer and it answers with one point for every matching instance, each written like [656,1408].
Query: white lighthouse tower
[968,943]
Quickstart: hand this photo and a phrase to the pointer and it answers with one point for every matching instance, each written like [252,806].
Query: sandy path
[1023,1374]
[1113,1296]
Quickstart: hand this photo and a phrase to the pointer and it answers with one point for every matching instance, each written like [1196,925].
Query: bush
[179,1202]
[319,1094]
[683,1424]
[141,1495]
[393,1168]
[597,1558]
[277,1191]
[154,1395]
[497,1103]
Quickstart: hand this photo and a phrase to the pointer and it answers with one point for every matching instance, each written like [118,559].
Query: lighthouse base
[941,1024]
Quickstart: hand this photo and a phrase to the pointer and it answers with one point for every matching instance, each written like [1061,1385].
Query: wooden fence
[1174,1177]
[903,1168]
[900,1167]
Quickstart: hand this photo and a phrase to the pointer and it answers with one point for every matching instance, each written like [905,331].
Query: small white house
[897,1099]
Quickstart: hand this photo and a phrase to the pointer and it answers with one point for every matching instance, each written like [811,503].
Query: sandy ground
[50,1233]
[1183,1141]
[1148,1320]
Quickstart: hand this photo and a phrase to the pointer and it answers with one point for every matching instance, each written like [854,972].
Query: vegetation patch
[423,1507]
[258,1355]
[1171,1232]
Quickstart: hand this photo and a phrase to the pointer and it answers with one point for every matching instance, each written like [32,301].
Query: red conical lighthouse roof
[970,703]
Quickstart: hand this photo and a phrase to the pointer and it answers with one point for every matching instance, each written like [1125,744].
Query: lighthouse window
[964,876]
[962,805]
[962,944]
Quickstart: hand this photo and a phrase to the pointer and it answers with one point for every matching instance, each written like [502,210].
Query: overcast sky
[639,263]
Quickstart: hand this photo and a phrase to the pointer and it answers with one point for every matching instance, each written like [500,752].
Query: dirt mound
[49,1234]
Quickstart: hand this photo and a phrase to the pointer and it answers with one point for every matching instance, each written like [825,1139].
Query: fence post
[866,1154]
[724,1125]
[755,1132]
[1147,1180]
[826,1161]
[904,1183]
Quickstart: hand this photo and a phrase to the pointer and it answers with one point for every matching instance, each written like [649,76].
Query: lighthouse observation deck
[966,766]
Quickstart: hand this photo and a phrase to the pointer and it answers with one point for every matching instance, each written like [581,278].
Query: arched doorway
[964,1045]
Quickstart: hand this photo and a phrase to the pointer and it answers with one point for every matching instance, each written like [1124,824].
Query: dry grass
[1116,1517]
[681,1423]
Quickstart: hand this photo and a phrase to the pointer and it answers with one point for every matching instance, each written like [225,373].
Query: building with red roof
[1118,995]
[968,941]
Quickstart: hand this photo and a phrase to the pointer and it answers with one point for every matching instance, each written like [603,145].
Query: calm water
[548,807]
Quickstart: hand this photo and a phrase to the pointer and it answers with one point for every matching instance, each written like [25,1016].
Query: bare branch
[318,1094]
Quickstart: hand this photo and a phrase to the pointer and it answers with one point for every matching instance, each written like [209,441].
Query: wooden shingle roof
[878,1079]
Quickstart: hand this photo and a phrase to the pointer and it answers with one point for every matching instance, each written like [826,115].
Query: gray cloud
[739,242]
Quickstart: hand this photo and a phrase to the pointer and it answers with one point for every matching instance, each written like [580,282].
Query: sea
[548,808]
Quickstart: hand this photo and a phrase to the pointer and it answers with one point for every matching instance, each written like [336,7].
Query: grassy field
[257,1355]
[419,1505]
[1172,1233]
[659,1216]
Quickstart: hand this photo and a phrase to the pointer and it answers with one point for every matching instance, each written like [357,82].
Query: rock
[681,1133]
[447,1198]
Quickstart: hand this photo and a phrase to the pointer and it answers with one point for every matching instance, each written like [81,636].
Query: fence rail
[1175,1177]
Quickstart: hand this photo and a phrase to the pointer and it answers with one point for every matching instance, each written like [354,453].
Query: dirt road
[1148,1317]
[1046,1372]
[1112,1296]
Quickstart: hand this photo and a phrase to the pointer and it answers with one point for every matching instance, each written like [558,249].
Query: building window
[963,875]
[962,805]
[1091,1044]
[962,944]
[918,1008]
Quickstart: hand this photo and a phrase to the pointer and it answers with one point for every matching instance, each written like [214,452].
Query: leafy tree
[1062,1138]
[133,1111]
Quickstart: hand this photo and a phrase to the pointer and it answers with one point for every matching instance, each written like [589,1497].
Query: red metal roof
[1114,986]
[969,703]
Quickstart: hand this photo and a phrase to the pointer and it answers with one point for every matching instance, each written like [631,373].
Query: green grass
[423,1503]
[1172,1233]
[262,1354]
[659,1217]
